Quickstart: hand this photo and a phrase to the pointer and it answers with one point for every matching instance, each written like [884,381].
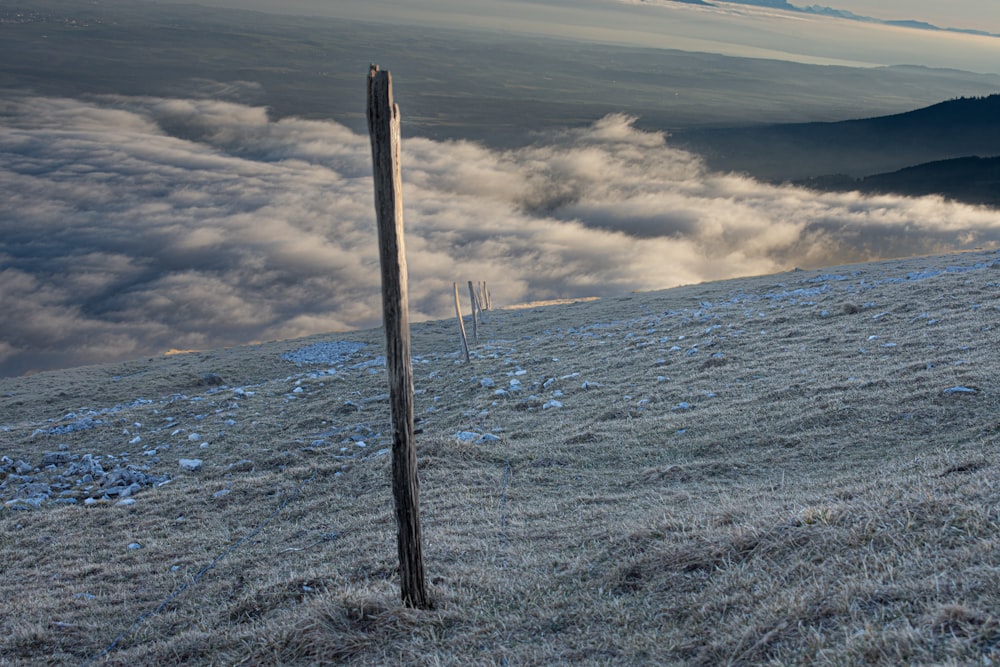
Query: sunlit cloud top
[132,226]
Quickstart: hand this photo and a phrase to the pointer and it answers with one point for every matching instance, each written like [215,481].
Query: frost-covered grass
[794,469]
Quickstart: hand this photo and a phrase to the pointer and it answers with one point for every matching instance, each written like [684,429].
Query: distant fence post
[383,129]
[475,318]
[461,325]
[484,296]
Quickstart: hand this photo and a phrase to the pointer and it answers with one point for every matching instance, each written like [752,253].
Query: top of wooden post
[380,97]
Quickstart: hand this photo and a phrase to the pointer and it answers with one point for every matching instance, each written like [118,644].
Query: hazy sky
[725,28]
[131,226]
[966,14]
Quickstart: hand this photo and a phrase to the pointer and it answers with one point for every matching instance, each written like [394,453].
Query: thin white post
[475,319]
[461,325]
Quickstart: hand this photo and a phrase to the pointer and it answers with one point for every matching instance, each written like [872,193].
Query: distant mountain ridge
[958,128]
[845,14]
[973,180]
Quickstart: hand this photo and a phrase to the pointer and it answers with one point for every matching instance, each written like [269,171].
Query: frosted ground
[797,468]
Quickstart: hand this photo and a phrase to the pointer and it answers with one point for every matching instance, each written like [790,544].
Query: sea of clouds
[133,226]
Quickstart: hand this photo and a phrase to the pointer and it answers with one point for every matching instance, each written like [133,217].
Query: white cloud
[132,225]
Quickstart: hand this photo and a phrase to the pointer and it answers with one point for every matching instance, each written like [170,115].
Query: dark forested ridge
[963,127]
[974,180]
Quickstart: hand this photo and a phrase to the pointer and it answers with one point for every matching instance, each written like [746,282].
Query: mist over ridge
[135,225]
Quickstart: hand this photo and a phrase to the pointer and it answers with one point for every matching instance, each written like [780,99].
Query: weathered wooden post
[475,318]
[485,296]
[383,129]
[461,325]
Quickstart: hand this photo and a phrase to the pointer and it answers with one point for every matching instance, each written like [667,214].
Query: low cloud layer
[132,226]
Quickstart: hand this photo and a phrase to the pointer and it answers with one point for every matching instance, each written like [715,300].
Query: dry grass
[802,489]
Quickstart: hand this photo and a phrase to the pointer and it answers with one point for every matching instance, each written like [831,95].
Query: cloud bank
[132,226]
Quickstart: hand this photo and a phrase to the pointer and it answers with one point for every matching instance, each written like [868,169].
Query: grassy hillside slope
[793,469]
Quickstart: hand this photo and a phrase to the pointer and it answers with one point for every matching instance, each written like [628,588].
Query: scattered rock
[210,380]
[55,458]
[24,503]
[244,465]
[88,465]
[324,353]
[33,490]
[191,465]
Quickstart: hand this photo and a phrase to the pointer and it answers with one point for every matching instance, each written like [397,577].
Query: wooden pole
[475,322]
[383,129]
[461,325]
[486,297]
